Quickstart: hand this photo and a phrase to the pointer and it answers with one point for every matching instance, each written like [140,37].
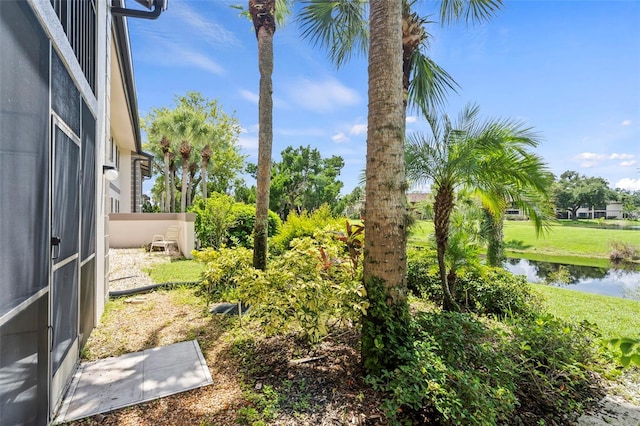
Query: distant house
[67,110]
[417,197]
[613,210]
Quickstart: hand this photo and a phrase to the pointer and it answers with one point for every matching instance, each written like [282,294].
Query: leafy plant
[221,270]
[310,287]
[629,350]
[300,225]
[223,221]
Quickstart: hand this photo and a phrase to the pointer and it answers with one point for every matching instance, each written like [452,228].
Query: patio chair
[170,238]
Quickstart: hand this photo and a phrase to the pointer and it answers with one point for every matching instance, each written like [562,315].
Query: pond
[608,281]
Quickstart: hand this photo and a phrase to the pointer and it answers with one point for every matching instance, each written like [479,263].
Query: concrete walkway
[112,383]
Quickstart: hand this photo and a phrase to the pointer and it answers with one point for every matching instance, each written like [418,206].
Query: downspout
[135,191]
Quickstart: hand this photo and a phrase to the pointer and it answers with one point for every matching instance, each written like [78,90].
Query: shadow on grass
[516,245]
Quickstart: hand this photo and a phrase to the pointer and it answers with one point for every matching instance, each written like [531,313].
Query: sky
[568,69]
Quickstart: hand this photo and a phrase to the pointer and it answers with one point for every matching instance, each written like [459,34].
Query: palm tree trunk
[262,14]
[442,208]
[167,184]
[495,247]
[384,329]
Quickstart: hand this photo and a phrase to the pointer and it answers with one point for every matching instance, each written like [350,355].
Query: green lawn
[177,271]
[566,241]
[614,316]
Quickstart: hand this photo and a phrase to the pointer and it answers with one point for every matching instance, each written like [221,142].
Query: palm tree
[340,27]
[206,155]
[264,14]
[490,158]
[385,205]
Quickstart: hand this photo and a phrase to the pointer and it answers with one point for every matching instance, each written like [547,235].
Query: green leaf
[625,360]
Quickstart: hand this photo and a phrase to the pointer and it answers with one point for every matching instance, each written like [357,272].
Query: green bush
[458,374]
[489,291]
[423,279]
[222,268]
[465,370]
[310,287]
[243,217]
[555,359]
[303,225]
[213,219]
[495,291]
[223,221]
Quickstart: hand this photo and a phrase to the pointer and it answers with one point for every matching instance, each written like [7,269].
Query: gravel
[128,267]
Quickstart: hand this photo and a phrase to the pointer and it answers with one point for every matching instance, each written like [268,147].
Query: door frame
[60,380]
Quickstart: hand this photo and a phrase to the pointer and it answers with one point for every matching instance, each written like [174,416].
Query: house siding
[69,69]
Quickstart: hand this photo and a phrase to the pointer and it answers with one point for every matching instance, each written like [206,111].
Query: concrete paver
[109,384]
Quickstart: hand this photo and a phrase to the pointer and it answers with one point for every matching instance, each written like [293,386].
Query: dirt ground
[318,385]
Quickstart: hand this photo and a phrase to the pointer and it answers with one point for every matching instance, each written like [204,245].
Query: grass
[176,271]
[566,239]
[614,316]
[565,242]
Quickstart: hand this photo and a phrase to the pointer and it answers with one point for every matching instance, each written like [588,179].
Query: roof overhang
[124,103]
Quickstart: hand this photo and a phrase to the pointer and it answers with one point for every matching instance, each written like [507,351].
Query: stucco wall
[128,230]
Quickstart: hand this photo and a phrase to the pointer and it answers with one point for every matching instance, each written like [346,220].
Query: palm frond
[430,84]
[340,27]
[472,11]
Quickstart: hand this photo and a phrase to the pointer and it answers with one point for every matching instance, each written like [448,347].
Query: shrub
[222,268]
[303,225]
[458,374]
[554,358]
[243,217]
[623,251]
[486,290]
[495,291]
[310,287]
[422,274]
[213,219]
[222,221]
[464,370]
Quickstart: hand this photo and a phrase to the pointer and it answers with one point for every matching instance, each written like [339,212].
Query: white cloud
[629,184]
[322,96]
[412,119]
[197,59]
[590,156]
[196,23]
[249,96]
[615,156]
[339,137]
[588,164]
[626,123]
[358,129]
[248,142]
[628,163]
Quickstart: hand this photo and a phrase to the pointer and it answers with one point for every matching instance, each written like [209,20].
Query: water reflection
[615,281]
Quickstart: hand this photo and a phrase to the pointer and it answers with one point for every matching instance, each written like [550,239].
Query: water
[608,281]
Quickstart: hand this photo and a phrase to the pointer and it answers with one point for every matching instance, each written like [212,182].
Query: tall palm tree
[385,205]
[264,14]
[491,158]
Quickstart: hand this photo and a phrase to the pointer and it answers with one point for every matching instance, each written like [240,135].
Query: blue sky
[569,69]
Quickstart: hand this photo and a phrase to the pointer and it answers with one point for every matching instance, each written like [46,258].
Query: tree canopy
[574,190]
[194,142]
[304,180]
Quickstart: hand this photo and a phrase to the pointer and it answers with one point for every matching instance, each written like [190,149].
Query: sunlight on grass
[176,271]
[614,316]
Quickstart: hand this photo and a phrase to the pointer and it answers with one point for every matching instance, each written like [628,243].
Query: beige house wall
[128,230]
